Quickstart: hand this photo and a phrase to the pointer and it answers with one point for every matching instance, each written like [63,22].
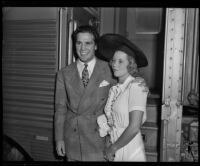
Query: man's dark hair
[86,28]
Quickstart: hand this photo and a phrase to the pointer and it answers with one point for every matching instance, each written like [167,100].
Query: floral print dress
[122,99]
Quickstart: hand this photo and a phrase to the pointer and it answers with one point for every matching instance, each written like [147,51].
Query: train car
[37,43]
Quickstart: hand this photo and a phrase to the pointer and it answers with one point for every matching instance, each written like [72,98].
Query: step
[153,109]
[151,156]
[149,132]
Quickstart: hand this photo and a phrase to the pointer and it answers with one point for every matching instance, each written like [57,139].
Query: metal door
[172,84]
[70,19]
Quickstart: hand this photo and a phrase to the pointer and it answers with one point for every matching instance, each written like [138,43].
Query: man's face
[85,46]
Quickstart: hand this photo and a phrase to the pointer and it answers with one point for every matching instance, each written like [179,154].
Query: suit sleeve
[60,107]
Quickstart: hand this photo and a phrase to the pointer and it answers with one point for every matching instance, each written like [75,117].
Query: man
[81,93]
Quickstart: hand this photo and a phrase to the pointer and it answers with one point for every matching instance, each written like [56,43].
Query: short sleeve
[137,99]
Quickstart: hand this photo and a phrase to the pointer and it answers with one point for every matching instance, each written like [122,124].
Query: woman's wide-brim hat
[109,43]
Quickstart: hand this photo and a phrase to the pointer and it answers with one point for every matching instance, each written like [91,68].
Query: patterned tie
[85,75]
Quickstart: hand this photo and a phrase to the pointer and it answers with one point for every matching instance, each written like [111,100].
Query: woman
[125,110]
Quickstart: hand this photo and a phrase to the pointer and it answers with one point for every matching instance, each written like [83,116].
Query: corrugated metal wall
[29,65]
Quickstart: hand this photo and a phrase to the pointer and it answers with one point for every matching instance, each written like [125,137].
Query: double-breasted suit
[77,109]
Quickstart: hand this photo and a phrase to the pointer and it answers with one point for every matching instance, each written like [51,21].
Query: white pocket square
[104,83]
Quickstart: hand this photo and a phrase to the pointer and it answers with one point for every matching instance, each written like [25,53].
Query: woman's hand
[142,83]
[109,153]
[108,141]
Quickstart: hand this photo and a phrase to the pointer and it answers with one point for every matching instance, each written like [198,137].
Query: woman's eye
[78,43]
[88,43]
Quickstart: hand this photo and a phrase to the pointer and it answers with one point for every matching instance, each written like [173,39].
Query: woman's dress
[124,98]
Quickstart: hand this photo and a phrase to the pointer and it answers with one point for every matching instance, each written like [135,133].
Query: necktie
[85,75]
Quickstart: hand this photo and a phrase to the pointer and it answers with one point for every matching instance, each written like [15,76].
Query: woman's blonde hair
[132,66]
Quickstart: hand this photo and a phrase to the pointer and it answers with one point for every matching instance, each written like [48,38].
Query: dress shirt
[90,67]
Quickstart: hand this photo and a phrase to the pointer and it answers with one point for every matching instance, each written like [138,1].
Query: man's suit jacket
[77,109]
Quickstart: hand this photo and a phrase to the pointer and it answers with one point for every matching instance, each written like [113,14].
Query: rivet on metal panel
[41,138]
[171,159]
[166,112]
[173,145]
[178,103]
[167,101]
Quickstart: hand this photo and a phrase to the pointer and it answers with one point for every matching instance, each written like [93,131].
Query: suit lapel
[75,81]
[92,87]
[94,79]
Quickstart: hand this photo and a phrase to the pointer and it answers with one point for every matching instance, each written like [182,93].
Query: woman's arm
[135,121]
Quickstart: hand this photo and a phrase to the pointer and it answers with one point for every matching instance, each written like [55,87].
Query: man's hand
[142,83]
[109,153]
[107,141]
[60,148]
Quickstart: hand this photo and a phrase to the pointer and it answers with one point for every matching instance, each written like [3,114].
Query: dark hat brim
[109,43]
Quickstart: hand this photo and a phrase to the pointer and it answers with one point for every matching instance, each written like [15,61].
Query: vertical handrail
[60,36]
[74,28]
[70,48]
[184,56]
[195,56]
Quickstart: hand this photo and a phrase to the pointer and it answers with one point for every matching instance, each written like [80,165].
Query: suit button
[75,130]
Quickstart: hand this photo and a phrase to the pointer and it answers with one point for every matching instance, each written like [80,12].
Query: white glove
[103,125]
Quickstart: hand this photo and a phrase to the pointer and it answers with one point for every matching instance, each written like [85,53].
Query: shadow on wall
[12,151]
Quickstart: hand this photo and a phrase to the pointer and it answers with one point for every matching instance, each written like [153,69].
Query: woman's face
[119,65]
[85,46]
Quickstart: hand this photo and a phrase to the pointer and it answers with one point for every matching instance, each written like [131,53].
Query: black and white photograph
[100,84]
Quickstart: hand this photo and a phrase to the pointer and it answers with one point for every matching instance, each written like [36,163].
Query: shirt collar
[125,83]
[90,67]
